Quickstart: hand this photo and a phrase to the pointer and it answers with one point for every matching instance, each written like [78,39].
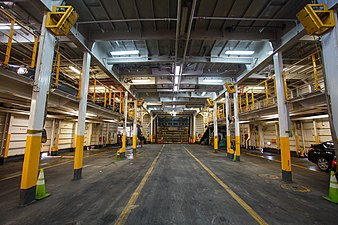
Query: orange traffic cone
[41,187]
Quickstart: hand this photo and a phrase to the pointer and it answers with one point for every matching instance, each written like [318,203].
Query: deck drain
[295,188]
[268,176]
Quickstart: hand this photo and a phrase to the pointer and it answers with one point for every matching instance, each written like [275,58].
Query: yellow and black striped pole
[43,73]
[78,159]
[284,117]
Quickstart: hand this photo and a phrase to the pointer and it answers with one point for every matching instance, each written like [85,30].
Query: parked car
[322,154]
[334,164]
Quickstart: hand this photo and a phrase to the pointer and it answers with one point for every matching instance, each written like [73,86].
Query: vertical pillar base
[237,158]
[27,196]
[77,174]
[120,155]
[54,153]
[230,155]
[286,176]
[2,160]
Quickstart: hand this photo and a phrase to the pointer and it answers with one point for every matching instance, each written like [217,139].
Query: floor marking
[240,201]
[51,166]
[131,203]
[276,160]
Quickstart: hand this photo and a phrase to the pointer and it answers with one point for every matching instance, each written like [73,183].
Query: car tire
[323,164]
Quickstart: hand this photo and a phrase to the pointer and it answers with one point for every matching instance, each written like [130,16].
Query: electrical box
[61,20]
[210,102]
[231,87]
[316,19]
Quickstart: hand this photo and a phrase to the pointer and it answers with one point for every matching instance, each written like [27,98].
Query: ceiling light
[270,52]
[222,100]
[117,99]
[174,106]
[74,69]
[174,99]
[203,94]
[177,70]
[129,52]
[145,81]
[175,88]
[7,26]
[212,81]
[239,52]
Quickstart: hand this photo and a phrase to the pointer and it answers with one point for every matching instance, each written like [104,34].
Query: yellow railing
[301,78]
[21,44]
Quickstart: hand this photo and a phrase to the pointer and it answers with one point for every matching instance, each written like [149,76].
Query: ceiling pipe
[179,3]
[245,19]
[127,20]
[187,41]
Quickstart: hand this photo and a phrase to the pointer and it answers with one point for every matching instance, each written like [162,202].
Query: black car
[322,154]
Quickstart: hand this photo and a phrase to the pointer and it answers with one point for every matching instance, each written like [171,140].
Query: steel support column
[37,115]
[283,118]
[194,128]
[237,130]
[330,58]
[230,152]
[215,127]
[135,127]
[151,129]
[78,158]
[122,150]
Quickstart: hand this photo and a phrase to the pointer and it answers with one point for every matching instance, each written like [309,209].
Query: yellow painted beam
[9,43]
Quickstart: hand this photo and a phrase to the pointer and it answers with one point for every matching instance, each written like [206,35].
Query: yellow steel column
[122,151]
[247,101]
[283,118]
[9,43]
[105,98]
[94,91]
[81,125]
[135,127]
[120,102]
[215,127]
[55,147]
[114,96]
[315,72]
[57,70]
[252,99]
[194,129]
[37,115]
[266,93]
[35,49]
[237,130]
[109,98]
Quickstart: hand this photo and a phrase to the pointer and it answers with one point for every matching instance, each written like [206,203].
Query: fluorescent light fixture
[222,100]
[174,99]
[177,70]
[145,81]
[239,52]
[212,81]
[174,106]
[270,52]
[175,88]
[128,52]
[117,99]
[203,94]
[74,69]
[176,79]
[7,26]
[90,114]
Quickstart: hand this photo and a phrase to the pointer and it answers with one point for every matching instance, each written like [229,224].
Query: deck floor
[175,189]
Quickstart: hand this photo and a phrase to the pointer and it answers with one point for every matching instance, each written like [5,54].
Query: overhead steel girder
[195,35]
[285,41]
[156,59]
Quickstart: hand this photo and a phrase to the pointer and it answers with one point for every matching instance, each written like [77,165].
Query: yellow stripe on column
[317,139]
[8,140]
[216,142]
[78,159]
[228,144]
[238,145]
[30,166]
[134,142]
[285,153]
[124,144]
[194,139]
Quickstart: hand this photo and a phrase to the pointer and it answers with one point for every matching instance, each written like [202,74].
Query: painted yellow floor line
[127,209]
[47,167]
[276,160]
[240,201]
